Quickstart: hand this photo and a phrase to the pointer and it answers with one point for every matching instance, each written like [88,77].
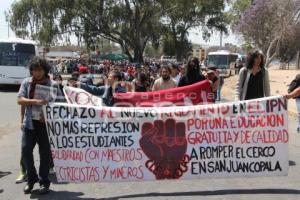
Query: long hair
[251,59]
[192,73]
[142,77]
[39,62]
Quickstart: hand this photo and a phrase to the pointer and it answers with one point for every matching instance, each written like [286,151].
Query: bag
[294,84]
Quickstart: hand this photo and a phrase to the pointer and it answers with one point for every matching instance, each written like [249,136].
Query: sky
[194,35]
[5,5]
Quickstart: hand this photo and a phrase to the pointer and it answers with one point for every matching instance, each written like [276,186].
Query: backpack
[294,84]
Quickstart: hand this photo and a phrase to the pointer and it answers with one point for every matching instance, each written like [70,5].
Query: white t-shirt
[160,84]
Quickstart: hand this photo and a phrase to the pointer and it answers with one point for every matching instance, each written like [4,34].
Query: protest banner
[189,95]
[81,97]
[194,94]
[107,144]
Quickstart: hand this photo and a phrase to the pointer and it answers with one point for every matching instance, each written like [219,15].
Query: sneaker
[29,186]
[21,178]
[44,189]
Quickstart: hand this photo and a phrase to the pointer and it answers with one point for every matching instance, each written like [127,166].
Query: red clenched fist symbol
[165,144]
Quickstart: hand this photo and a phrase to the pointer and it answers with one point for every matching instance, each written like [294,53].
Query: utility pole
[7,18]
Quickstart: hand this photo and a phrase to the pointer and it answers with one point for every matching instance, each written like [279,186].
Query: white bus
[224,61]
[15,55]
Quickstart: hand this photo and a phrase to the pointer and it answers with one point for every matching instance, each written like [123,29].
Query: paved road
[271,188]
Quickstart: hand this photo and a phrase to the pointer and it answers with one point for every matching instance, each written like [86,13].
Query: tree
[266,23]
[237,8]
[35,19]
[168,45]
[289,45]
[153,50]
[183,16]
[130,23]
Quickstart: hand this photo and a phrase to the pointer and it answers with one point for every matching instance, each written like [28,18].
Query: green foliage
[182,16]
[130,23]
[237,8]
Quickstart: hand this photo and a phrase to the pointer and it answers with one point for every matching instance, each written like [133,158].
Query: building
[199,53]
[60,52]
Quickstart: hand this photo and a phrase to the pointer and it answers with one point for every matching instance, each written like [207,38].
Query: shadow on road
[59,195]
[76,195]
[1,191]
[292,163]
[210,193]
[2,174]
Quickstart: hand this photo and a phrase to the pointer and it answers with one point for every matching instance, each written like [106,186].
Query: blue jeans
[29,139]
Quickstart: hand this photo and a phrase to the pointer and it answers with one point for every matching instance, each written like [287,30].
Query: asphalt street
[265,188]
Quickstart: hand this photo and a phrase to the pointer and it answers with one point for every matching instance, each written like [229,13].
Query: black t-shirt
[255,86]
[140,88]
[184,82]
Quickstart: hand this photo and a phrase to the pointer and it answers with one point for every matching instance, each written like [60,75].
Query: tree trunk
[125,50]
[138,55]
[139,49]
[269,57]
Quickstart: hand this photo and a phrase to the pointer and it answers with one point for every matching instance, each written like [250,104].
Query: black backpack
[294,84]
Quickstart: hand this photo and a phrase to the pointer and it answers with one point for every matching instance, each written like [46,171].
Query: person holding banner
[192,73]
[34,131]
[253,79]
[105,92]
[295,93]
[140,83]
[165,81]
[294,85]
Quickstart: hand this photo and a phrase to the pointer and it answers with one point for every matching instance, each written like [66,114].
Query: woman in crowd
[192,73]
[140,83]
[253,79]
